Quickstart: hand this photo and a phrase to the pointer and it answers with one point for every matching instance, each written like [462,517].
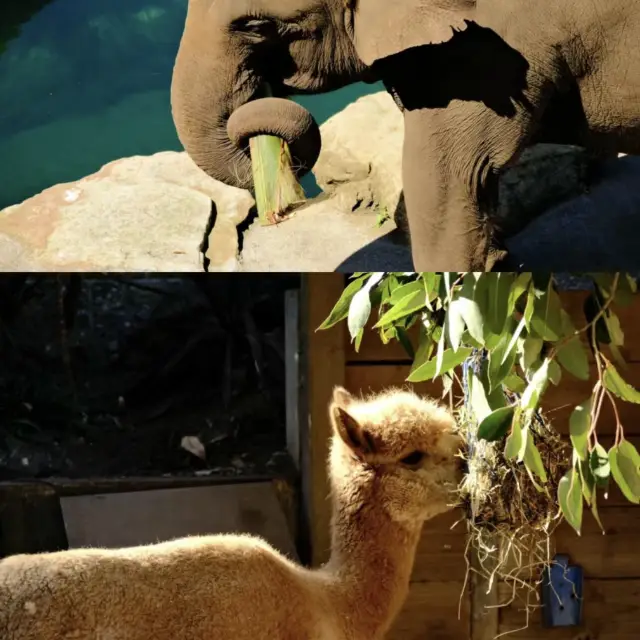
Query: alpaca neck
[371,562]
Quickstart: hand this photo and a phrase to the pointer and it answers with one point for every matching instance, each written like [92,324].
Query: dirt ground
[104,376]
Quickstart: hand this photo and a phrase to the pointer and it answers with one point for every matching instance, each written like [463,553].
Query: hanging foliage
[530,341]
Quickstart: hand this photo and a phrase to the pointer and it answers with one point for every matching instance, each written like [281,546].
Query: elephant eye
[259,27]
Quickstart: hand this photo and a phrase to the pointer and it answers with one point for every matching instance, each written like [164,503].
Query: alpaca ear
[358,439]
[385,27]
[341,397]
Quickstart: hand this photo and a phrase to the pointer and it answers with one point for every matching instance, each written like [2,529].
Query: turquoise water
[83,82]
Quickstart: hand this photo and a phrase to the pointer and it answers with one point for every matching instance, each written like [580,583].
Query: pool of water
[83,82]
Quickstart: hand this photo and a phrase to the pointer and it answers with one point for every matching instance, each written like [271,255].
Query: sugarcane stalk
[276,189]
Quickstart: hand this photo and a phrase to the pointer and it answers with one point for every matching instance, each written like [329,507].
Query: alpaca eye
[413,459]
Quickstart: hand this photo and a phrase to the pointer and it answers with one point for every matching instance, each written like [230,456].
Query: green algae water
[84,82]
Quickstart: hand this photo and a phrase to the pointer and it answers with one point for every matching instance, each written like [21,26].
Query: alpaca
[393,464]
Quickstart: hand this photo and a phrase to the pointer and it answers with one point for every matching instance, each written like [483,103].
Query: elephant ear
[385,27]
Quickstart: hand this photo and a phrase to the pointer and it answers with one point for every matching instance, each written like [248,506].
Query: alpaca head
[404,448]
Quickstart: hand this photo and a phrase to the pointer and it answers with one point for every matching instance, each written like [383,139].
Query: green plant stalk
[276,187]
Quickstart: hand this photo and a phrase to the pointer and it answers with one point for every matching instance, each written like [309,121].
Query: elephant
[478,81]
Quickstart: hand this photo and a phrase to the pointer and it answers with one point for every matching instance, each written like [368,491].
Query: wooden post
[484,621]
[322,366]
[292,354]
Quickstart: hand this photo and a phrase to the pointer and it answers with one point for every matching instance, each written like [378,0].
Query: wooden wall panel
[323,368]
[614,555]
[611,612]
[431,613]
[440,556]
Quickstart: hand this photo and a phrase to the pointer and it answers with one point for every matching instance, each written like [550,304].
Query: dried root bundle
[510,517]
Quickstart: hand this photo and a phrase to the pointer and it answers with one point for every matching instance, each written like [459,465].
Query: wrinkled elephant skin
[478,82]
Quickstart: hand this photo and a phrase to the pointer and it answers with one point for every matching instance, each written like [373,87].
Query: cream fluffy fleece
[233,587]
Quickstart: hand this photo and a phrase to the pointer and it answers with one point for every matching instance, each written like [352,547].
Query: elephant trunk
[216,108]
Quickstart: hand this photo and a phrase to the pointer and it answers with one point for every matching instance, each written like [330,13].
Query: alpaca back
[201,588]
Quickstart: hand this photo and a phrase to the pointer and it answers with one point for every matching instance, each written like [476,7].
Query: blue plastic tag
[562,594]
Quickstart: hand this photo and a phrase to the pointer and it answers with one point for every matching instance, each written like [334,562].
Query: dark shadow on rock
[390,252]
[597,231]
[463,68]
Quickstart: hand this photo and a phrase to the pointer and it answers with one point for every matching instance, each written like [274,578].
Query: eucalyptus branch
[603,309]
[598,389]
[619,429]
[522,363]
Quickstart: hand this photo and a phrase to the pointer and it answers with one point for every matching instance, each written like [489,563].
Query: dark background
[104,375]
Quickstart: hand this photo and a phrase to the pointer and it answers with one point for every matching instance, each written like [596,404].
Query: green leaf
[579,426]
[359,312]
[555,372]
[531,352]
[431,282]
[589,491]
[515,383]
[516,439]
[570,499]
[495,425]
[447,383]
[341,309]
[358,340]
[424,350]
[481,289]
[613,327]
[501,359]
[588,481]
[547,315]
[497,399]
[450,360]
[532,394]
[410,303]
[613,382]
[599,463]
[532,459]
[512,343]
[448,281]
[594,511]
[491,340]
[440,353]
[626,474]
[572,354]
[517,289]
[398,293]
[525,441]
[625,468]
[469,309]
[573,357]
[592,306]
[387,287]
[629,451]
[478,397]
[360,307]
[499,291]
[454,323]
[530,306]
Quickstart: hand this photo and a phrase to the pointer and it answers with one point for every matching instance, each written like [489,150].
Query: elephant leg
[452,159]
